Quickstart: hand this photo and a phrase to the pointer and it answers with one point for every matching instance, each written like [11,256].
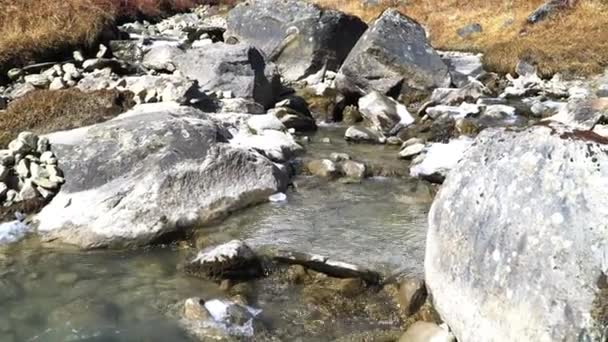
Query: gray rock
[259,123]
[21,89]
[485,240]
[322,168]
[194,310]
[383,113]
[232,260]
[238,68]
[103,50]
[362,134]
[353,169]
[463,67]
[440,159]
[7,158]
[602,90]
[469,30]
[14,73]
[127,50]
[152,171]
[57,84]
[37,80]
[426,332]
[293,119]
[394,56]
[23,169]
[298,36]
[274,145]
[523,68]
[338,157]
[411,151]
[471,92]
[545,10]
[240,105]
[160,57]
[456,112]
[96,80]
[162,88]
[28,191]
[582,114]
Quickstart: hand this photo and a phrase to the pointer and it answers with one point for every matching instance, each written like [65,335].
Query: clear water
[66,295]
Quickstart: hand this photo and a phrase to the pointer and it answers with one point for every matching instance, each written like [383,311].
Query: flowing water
[65,295]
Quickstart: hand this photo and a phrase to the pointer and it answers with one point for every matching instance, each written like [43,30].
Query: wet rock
[299,37]
[478,261]
[499,112]
[412,295]
[240,105]
[291,118]
[383,113]
[393,56]
[463,67]
[351,115]
[426,332]
[469,31]
[239,68]
[323,168]
[439,159]
[327,266]
[411,151]
[232,260]
[602,90]
[194,309]
[156,170]
[353,170]
[338,157]
[547,108]
[363,135]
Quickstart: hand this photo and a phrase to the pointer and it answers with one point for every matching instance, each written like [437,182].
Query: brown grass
[39,29]
[45,111]
[575,42]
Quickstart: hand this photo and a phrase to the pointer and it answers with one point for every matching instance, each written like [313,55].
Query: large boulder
[156,170]
[299,37]
[238,68]
[393,56]
[517,240]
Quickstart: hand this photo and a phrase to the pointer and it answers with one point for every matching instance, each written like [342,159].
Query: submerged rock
[232,260]
[393,56]
[523,203]
[299,37]
[156,170]
[363,135]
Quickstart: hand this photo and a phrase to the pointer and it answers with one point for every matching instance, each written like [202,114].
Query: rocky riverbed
[268,173]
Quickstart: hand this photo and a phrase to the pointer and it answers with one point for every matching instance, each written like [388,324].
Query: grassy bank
[574,42]
[33,29]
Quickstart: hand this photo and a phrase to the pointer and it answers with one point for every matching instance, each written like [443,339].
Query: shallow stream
[66,295]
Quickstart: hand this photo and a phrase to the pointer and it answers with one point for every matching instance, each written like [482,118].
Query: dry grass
[39,29]
[45,111]
[575,42]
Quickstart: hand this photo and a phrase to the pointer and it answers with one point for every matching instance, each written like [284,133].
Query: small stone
[102,51]
[411,141]
[278,198]
[66,278]
[28,191]
[43,145]
[48,158]
[602,90]
[338,157]
[91,64]
[45,193]
[29,139]
[411,151]
[231,260]
[326,140]
[412,295]
[47,183]
[426,332]
[323,168]
[3,190]
[14,73]
[11,196]
[194,310]
[524,68]
[4,172]
[7,158]
[469,30]
[78,56]
[227,94]
[37,80]
[37,171]
[393,141]
[23,169]
[57,84]
[353,169]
